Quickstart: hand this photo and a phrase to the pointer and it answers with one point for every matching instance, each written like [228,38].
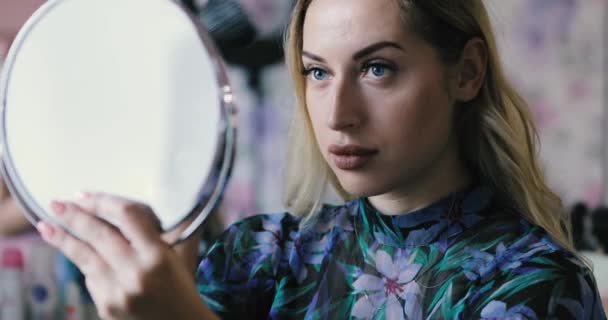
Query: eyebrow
[361,53]
[312,56]
[375,47]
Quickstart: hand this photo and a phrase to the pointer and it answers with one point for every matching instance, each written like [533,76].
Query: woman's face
[377,96]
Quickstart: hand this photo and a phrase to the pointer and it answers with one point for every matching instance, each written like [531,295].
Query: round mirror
[127,97]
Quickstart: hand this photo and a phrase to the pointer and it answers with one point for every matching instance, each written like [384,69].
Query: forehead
[352,23]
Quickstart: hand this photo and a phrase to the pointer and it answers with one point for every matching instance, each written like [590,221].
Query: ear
[471,70]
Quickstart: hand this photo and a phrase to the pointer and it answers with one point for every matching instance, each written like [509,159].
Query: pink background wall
[13,13]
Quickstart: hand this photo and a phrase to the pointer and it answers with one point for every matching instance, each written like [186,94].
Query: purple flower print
[394,285]
[497,310]
[303,249]
[269,242]
[340,218]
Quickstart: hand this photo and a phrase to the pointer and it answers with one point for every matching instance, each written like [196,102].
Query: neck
[446,175]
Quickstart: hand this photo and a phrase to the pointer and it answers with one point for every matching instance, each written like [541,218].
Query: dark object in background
[236,38]
[191,5]
[578,216]
[600,227]
[226,22]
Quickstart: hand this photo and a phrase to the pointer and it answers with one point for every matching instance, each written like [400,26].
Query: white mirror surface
[117,96]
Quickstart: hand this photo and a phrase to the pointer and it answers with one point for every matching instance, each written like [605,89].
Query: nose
[345,111]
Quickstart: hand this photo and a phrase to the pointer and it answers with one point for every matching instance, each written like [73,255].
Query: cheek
[314,107]
[416,116]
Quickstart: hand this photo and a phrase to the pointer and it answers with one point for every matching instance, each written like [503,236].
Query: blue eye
[318,74]
[378,70]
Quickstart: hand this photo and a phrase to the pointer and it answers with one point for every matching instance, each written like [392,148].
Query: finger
[104,238]
[137,221]
[80,253]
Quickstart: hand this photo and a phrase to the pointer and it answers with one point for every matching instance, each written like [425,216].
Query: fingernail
[58,207]
[46,230]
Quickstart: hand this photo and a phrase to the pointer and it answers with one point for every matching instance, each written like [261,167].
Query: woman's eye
[377,70]
[316,73]
[319,74]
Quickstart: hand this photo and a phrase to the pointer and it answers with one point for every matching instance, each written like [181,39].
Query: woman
[404,109]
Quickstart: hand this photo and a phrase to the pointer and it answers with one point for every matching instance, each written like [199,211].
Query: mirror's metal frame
[210,193]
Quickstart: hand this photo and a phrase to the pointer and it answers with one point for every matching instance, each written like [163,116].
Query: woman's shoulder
[263,242]
[511,236]
[514,246]
[327,217]
[275,221]
[522,270]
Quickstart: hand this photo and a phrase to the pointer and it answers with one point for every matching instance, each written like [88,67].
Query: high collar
[438,221]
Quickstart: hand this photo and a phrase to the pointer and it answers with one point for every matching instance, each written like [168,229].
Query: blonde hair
[501,148]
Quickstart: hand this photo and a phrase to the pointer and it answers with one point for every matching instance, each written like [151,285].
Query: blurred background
[554,51]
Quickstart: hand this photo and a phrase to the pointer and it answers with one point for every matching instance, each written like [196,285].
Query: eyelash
[364,70]
[307,71]
[375,63]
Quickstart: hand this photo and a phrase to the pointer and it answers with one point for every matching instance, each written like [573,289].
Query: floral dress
[462,257]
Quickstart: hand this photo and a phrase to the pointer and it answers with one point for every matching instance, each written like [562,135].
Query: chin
[359,185]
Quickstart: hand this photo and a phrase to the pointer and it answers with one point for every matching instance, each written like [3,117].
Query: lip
[350,157]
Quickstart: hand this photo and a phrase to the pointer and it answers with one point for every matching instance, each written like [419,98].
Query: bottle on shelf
[12,292]
[42,284]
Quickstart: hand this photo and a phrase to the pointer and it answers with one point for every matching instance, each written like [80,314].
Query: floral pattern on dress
[462,257]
